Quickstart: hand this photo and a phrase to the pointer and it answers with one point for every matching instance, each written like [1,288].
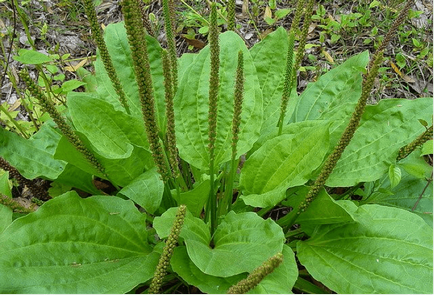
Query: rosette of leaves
[104,244]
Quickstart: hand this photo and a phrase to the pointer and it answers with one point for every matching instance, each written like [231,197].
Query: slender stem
[197,13]
[226,203]
[264,211]
[14,122]
[423,191]
[213,110]
[294,233]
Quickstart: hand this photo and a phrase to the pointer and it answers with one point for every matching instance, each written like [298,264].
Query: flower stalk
[105,56]
[48,106]
[136,38]
[345,139]
[408,149]
[257,275]
[333,158]
[171,242]
[169,21]
[231,15]
[37,191]
[172,151]
[225,205]
[291,67]
[212,112]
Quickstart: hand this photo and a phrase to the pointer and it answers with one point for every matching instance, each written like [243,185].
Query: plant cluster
[217,173]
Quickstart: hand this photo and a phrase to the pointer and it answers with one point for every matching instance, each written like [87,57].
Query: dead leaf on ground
[194,42]
[267,13]
[73,68]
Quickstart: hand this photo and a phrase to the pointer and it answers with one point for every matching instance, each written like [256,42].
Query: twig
[11,42]
[421,194]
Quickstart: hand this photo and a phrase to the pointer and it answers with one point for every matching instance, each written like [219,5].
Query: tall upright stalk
[231,15]
[333,158]
[169,21]
[136,38]
[212,113]
[226,203]
[291,67]
[105,56]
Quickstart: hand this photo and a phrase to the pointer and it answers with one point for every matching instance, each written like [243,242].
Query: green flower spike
[170,115]
[257,275]
[212,113]
[287,86]
[238,103]
[145,20]
[36,190]
[225,204]
[14,205]
[48,106]
[171,242]
[169,21]
[391,33]
[136,38]
[346,136]
[291,67]
[408,149]
[105,56]
[231,15]
[303,37]
[297,15]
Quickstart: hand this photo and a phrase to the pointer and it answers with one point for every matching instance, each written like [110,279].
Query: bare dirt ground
[67,31]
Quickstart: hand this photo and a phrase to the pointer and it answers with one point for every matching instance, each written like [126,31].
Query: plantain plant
[263,189]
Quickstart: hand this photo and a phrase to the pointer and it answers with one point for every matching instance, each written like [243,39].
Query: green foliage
[376,237]
[356,257]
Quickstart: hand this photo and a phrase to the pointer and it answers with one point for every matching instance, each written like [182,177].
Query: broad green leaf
[120,52]
[74,245]
[383,130]
[269,57]
[5,216]
[335,94]
[120,171]
[415,165]
[307,287]
[192,227]
[280,281]
[146,190]
[112,133]
[394,175]
[427,148]
[33,158]
[412,194]
[196,198]
[123,171]
[388,250]
[282,162]
[5,185]
[184,62]
[190,273]
[241,242]
[191,105]
[31,57]
[71,85]
[292,128]
[88,78]
[67,152]
[75,177]
[325,210]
